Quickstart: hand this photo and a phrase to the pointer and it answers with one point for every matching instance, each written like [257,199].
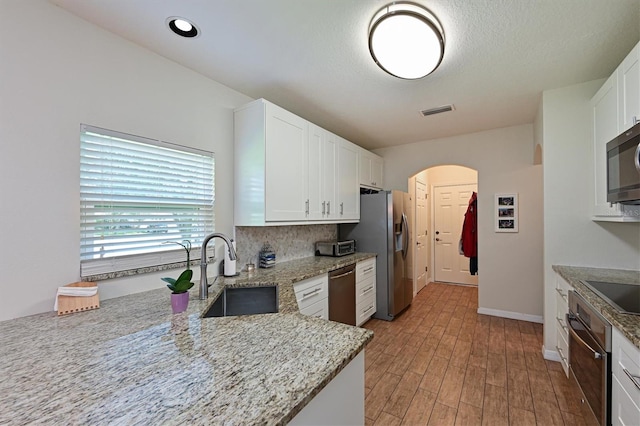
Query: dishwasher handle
[333,277]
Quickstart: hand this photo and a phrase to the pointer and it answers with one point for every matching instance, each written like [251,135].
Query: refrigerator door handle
[405,236]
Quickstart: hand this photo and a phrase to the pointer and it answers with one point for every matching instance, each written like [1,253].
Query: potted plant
[180,287]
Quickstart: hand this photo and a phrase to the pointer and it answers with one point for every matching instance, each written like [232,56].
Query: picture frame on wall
[506,213]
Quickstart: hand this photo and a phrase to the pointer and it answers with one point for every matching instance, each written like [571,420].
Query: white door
[450,205]
[421,235]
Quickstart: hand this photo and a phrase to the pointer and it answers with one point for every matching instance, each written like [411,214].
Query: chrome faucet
[204,288]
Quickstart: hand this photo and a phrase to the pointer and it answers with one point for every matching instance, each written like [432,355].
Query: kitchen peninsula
[133,362]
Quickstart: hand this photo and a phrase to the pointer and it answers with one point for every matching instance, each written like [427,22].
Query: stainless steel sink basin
[624,298]
[244,301]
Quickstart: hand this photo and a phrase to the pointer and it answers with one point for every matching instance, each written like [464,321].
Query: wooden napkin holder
[70,304]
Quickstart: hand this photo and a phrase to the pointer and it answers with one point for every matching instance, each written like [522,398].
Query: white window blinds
[137,193]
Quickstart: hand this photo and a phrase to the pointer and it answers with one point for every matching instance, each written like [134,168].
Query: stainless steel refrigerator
[384,229]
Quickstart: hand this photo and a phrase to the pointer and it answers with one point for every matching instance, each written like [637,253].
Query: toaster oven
[335,248]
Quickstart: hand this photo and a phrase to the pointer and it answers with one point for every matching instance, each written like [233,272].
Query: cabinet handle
[370,268]
[306,207]
[323,208]
[562,357]
[341,209]
[562,324]
[634,379]
[564,296]
[328,207]
[311,293]
[368,309]
[367,290]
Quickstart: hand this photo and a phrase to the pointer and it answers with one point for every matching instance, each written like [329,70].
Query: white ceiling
[311,57]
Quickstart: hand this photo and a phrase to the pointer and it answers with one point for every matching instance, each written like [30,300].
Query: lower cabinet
[365,290]
[312,295]
[341,402]
[625,381]
[562,331]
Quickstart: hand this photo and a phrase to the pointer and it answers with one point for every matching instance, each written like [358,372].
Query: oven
[590,355]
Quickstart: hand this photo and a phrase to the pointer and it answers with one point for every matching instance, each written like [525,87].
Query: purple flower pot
[179,302]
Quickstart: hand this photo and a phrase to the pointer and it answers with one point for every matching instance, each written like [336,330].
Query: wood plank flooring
[441,363]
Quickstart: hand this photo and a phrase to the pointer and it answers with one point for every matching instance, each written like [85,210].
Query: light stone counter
[629,325]
[133,362]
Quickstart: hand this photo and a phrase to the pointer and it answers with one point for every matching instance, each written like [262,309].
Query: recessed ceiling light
[183,27]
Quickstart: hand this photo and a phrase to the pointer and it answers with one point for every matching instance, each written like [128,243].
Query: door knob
[437,239]
[437,232]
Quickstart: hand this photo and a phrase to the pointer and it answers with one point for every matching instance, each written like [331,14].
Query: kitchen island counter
[133,362]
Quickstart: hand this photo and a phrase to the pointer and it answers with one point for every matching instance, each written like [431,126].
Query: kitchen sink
[625,298]
[244,301]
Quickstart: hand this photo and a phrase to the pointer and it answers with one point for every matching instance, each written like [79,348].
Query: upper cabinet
[615,108]
[629,90]
[604,107]
[348,188]
[290,171]
[371,166]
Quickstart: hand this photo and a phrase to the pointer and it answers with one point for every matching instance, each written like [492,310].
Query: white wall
[570,236]
[57,73]
[510,265]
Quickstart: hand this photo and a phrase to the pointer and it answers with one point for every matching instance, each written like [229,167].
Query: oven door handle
[596,354]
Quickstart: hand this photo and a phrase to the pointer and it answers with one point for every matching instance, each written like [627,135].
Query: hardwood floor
[441,363]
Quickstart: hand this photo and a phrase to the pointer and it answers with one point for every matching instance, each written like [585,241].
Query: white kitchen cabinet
[271,149]
[312,296]
[322,163]
[562,330]
[615,108]
[605,127]
[625,381]
[341,402]
[629,90]
[371,169]
[290,171]
[348,195]
[365,290]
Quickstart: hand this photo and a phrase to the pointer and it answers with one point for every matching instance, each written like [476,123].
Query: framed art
[506,215]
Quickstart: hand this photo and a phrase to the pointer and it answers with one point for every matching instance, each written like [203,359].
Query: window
[136,194]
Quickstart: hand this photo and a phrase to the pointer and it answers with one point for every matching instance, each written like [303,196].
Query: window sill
[139,271]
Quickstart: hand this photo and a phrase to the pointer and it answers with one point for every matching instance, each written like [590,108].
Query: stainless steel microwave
[623,167]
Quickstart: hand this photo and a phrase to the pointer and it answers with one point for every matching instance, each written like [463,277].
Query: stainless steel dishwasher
[342,295]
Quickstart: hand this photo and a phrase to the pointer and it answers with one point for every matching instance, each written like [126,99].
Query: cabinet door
[629,90]
[329,176]
[605,128]
[286,165]
[377,166]
[349,189]
[365,168]
[317,139]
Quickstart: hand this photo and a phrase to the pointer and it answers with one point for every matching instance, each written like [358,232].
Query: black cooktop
[623,297]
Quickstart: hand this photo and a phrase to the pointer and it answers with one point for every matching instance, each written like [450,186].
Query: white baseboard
[550,355]
[511,315]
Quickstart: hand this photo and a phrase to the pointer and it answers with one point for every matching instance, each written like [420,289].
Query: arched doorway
[440,197]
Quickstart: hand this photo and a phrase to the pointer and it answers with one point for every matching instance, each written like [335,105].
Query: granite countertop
[133,362]
[629,325]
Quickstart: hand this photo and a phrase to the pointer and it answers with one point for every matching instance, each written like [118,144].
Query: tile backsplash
[289,242]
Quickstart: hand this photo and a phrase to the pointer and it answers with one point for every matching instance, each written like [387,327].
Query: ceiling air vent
[437,110]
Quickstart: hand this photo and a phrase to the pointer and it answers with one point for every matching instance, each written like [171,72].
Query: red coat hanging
[470,228]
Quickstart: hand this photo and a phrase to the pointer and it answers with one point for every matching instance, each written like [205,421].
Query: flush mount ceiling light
[182,27]
[406,40]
